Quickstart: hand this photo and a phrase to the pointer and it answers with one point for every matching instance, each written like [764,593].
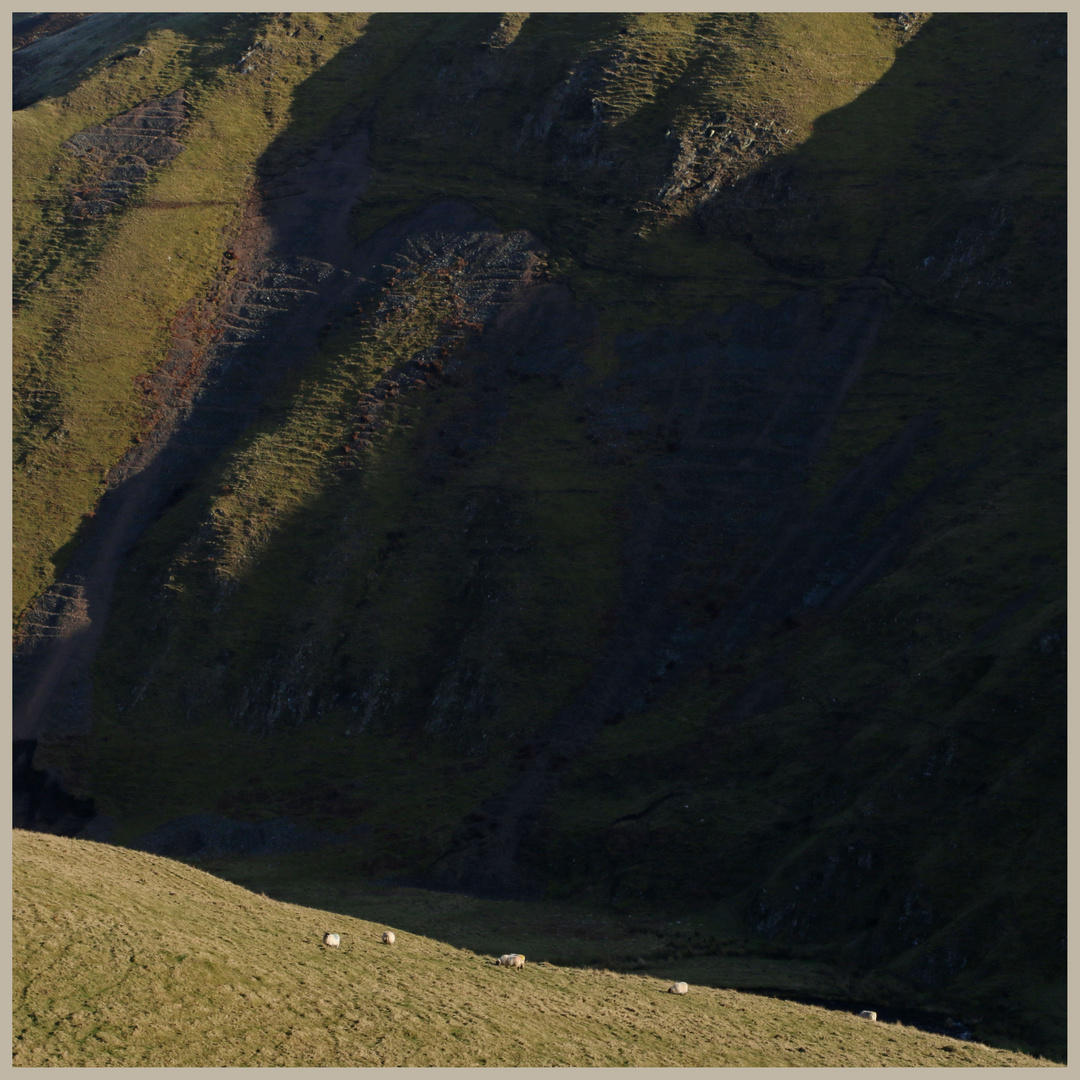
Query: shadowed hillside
[609,458]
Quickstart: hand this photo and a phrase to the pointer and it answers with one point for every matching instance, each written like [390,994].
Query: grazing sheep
[868,1014]
[388,937]
[678,988]
[333,940]
[513,960]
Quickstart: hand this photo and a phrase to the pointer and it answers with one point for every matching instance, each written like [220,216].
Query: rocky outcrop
[40,801]
[120,153]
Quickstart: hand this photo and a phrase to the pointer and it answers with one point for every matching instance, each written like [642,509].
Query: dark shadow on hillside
[859,201]
[294,272]
[887,184]
[54,65]
[740,403]
[789,565]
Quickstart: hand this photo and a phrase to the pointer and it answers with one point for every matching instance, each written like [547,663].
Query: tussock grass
[125,959]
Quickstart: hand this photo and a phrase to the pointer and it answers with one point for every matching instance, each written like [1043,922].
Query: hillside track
[290,265]
[291,270]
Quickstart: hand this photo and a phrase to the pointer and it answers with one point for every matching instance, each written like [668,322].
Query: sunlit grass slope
[94,301]
[125,959]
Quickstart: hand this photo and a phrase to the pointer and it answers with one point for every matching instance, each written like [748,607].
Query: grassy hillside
[612,457]
[95,298]
[126,959]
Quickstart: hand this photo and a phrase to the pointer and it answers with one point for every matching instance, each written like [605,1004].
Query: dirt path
[292,268]
[293,264]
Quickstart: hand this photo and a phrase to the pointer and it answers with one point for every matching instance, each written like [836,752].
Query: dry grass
[124,959]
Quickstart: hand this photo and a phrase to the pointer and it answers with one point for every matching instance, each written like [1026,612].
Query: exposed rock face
[717,155]
[40,802]
[121,152]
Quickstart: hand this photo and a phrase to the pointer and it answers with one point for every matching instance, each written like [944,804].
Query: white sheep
[512,960]
[388,937]
[333,940]
[678,988]
[868,1014]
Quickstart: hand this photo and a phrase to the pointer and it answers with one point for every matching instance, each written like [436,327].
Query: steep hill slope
[617,456]
[125,959]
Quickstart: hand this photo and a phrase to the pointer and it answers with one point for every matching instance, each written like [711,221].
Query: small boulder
[868,1014]
[678,988]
